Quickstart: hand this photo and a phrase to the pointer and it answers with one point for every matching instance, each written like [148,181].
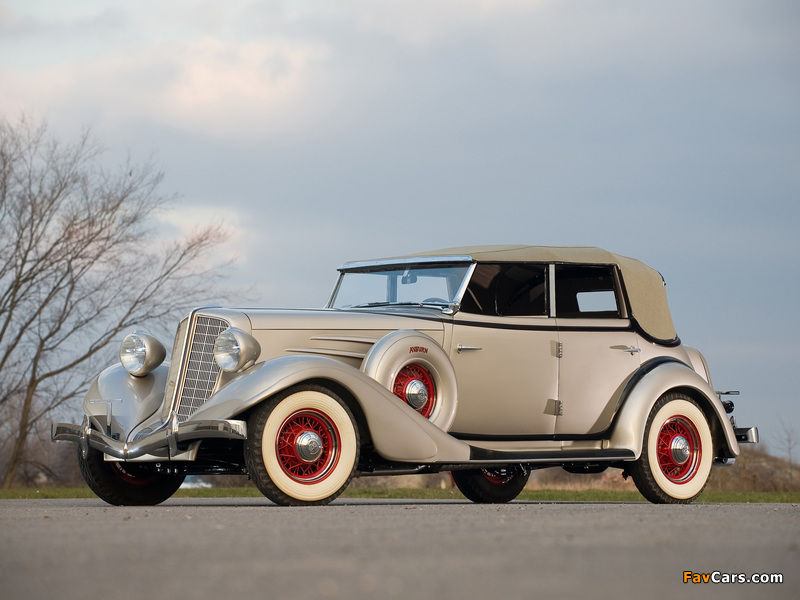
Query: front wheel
[126,483]
[677,452]
[492,486]
[302,446]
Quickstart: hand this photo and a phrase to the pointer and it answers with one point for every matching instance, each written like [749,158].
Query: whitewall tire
[302,446]
[677,452]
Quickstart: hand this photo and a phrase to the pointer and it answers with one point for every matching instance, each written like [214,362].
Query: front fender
[117,402]
[657,378]
[398,432]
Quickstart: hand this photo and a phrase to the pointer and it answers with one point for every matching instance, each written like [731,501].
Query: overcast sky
[322,132]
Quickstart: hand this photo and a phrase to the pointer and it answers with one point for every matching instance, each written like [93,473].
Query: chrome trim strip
[326,352]
[187,348]
[335,291]
[172,429]
[171,404]
[345,338]
[463,289]
[167,437]
[389,262]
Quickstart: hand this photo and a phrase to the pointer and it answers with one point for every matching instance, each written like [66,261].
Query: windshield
[436,285]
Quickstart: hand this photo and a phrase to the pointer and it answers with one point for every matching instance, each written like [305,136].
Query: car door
[598,348]
[504,352]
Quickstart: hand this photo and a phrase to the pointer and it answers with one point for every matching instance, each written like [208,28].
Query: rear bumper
[167,437]
[746,435]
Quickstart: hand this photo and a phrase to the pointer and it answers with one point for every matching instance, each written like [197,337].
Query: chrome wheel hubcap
[416,394]
[680,449]
[308,446]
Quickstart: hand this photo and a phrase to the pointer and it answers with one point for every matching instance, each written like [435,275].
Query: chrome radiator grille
[200,370]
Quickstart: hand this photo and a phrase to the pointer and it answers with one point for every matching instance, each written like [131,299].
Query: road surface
[248,548]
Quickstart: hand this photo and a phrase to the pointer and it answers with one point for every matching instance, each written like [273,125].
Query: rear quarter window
[586,291]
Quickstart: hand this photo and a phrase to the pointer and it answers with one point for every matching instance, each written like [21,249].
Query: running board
[550,456]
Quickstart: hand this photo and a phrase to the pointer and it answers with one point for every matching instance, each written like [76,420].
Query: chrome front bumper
[167,437]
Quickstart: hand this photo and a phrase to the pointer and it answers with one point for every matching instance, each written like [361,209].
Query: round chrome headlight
[140,353]
[235,349]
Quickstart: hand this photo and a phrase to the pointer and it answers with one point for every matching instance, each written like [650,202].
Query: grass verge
[425,494]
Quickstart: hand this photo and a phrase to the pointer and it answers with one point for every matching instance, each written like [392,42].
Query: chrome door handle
[632,349]
[461,348]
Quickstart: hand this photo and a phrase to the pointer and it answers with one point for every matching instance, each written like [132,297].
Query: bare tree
[80,263]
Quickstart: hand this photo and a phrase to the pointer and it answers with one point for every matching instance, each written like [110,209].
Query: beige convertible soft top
[645,286]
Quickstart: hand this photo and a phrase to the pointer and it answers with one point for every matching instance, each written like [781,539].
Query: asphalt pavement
[249,548]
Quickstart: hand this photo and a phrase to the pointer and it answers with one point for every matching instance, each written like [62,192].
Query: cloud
[209,85]
[222,87]
[245,71]
[241,240]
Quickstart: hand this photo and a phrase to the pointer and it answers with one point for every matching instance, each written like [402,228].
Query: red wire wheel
[128,474]
[302,446]
[499,484]
[497,476]
[307,446]
[125,483]
[678,449]
[414,386]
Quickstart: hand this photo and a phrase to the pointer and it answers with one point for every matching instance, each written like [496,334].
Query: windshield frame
[378,266]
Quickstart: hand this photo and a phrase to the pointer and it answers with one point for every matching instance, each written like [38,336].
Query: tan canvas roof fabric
[644,285]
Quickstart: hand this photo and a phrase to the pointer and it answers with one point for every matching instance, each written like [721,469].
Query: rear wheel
[677,452]
[126,483]
[302,446]
[492,486]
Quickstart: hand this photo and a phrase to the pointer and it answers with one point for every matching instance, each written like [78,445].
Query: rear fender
[657,378]
[397,431]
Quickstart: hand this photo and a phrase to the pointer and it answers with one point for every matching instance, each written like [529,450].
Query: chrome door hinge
[559,349]
[554,407]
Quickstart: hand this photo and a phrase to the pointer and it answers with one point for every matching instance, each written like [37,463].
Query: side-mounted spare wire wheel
[418,371]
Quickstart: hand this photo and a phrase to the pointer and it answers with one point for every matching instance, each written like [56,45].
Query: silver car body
[565,387]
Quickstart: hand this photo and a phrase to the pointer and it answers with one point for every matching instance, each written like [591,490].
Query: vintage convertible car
[487,362]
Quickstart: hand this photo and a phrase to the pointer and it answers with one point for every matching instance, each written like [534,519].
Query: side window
[507,290]
[586,291]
